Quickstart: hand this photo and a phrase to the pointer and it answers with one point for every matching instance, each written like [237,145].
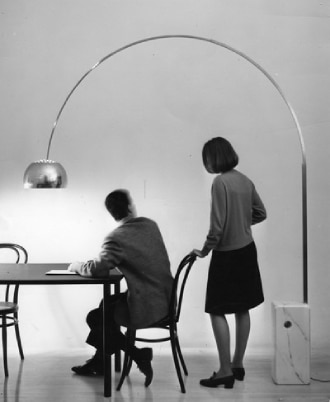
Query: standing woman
[234,284]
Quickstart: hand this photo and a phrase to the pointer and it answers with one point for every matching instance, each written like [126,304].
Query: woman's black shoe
[239,373]
[214,382]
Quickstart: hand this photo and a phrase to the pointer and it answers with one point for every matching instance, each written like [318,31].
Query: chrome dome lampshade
[45,174]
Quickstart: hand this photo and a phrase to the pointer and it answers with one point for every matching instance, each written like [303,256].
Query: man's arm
[109,258]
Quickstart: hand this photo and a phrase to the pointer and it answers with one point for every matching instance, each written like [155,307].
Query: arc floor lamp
[49,174]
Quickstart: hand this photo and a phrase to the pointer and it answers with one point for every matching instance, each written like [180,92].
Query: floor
[48,378]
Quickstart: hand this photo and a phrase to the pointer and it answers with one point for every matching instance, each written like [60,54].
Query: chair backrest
[179,284]
[21,257]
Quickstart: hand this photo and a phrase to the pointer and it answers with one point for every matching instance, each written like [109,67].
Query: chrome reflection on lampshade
[45,174]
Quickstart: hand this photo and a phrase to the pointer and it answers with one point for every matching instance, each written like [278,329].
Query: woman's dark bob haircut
[219,156]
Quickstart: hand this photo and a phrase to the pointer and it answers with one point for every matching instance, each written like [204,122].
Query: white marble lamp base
[291,363]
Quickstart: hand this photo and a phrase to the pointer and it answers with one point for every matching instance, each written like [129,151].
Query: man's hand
[75,267]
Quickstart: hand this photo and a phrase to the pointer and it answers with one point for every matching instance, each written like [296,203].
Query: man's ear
[132,209]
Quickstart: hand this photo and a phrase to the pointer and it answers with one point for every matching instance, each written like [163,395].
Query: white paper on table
[60,272]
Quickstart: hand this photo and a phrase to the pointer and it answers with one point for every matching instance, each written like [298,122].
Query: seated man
[137,249]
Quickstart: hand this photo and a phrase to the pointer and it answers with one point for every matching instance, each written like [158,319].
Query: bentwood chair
[169,324]
[9,307]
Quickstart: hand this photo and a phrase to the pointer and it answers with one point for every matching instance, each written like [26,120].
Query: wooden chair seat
[8,308]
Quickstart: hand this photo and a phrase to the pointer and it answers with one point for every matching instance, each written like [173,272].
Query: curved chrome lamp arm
[36,175]
[221,44]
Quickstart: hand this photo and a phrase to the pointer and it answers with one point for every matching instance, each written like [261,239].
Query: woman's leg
[242,335]
[222,337]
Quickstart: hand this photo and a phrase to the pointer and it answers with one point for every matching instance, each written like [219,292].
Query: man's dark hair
[117,203]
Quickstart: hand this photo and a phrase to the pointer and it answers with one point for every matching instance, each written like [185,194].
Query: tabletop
[35,273]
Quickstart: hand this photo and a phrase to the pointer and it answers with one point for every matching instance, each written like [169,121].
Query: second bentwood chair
[9,307]
[169,323]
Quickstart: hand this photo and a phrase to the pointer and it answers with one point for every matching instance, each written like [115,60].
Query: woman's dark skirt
[234,282]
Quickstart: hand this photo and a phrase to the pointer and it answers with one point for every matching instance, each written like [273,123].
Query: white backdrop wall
[139,121]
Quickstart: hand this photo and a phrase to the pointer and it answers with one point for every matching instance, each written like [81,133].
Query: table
[35,274]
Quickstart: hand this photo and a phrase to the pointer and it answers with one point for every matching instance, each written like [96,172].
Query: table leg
[106,354]
[118,353]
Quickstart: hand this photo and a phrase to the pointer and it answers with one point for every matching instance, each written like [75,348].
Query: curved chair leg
[18,337]
[4,344]
[183,364]
[19,342]
[127,364]
[131,343]
[176,360]
[124,372]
